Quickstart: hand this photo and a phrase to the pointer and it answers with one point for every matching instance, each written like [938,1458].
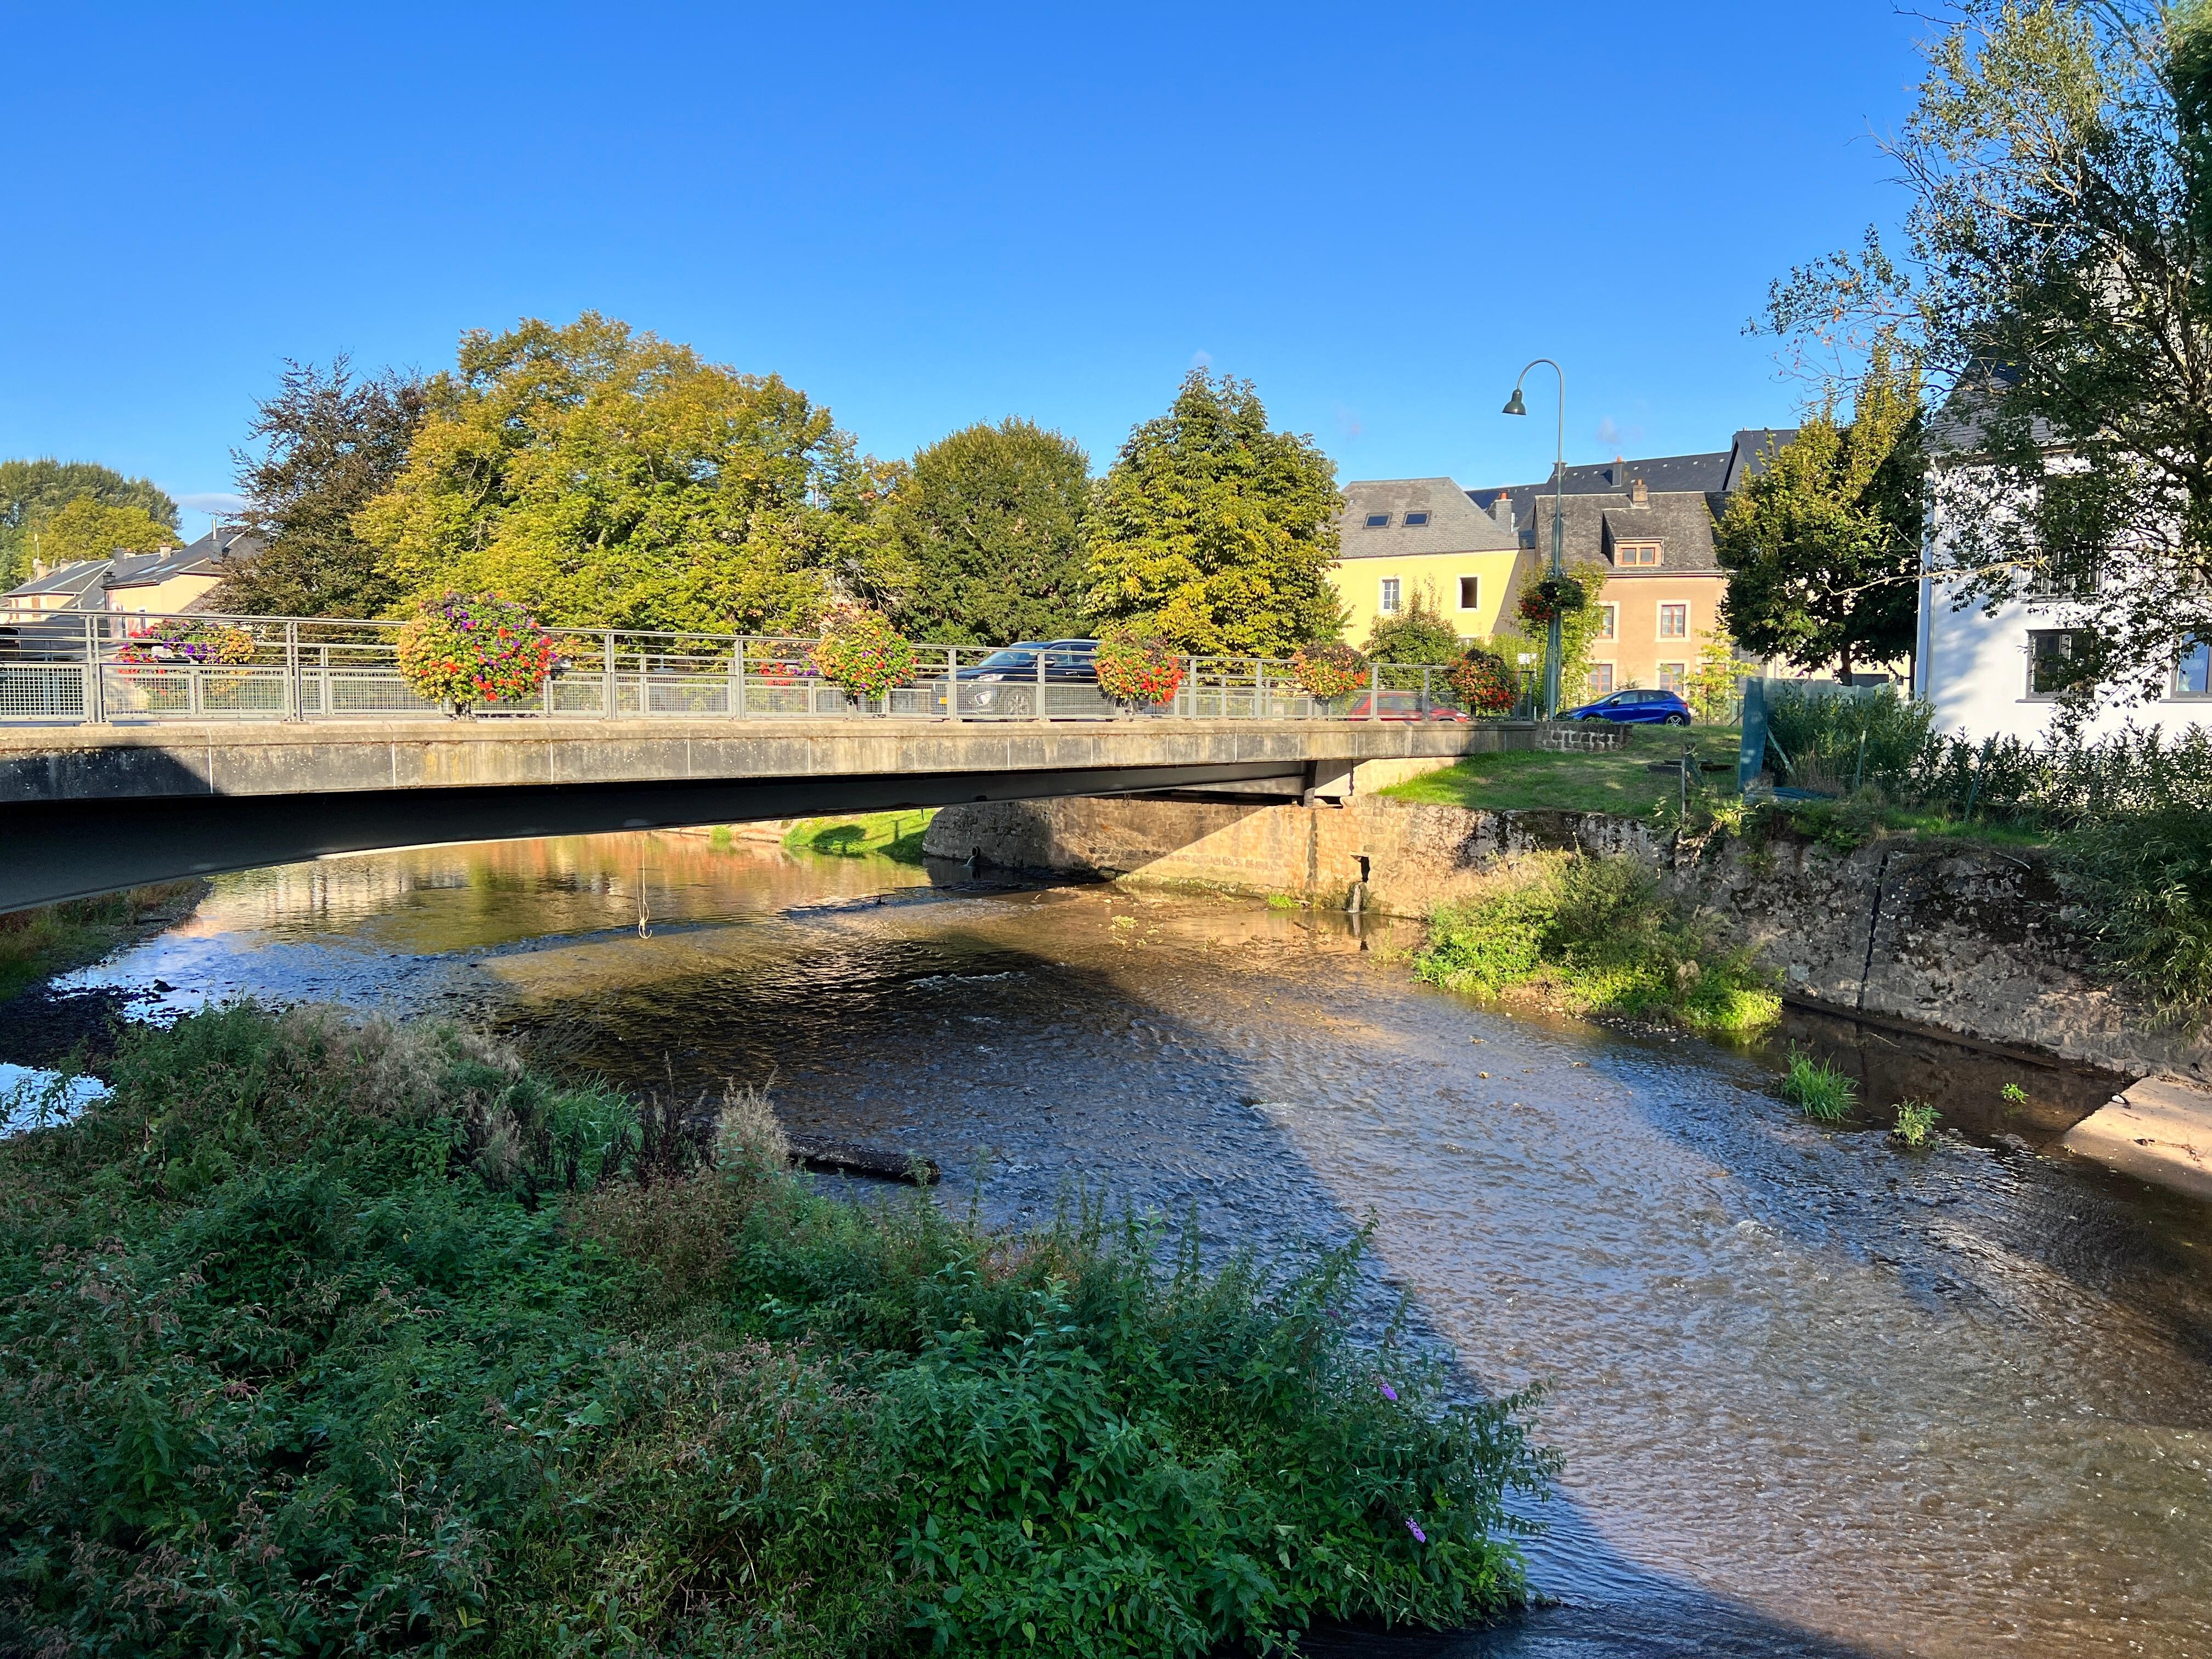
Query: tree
[2057,286]
[991,521]
[1217,532]
[609,478]
[1822,548]
[32,490]
[330,445]
[90,529]
[1417,633]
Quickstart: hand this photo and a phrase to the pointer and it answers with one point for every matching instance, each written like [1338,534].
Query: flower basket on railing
[188,644]
[862,654]
[462,652]
[1329,671]
[1138,669]
[1484,682]
[1554,596]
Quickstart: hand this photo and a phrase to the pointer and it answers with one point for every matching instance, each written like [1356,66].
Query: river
[1815,1395]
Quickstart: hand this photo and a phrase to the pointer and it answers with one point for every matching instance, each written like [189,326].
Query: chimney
[1502,509]
[1619,473]
[1639,494]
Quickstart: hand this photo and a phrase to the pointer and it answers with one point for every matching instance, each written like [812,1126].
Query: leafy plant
[461,651]
[1485,685]
[1916,1121]
[1329,670]
[1818,1089]
[1554,595]
[1137,667]
[2143,886]
[861,653]
[1417,633]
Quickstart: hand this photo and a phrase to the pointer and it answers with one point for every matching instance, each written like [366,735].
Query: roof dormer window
[1415,520]
[1378,521]
[1633,555]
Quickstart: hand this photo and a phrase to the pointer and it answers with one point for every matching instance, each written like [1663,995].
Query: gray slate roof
[88,582]
[1455,523]
[1681,521]
[1723,471]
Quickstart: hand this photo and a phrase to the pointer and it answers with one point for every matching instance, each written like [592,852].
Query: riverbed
[1816,1393]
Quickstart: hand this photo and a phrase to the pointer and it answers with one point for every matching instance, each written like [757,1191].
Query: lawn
[894,835]
[1621,781]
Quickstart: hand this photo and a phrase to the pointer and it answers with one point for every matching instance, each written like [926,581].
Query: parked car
[1634,708]
[1006,682]
[1401,706]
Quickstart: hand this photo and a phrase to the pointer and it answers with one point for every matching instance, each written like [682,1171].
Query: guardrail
[92,667]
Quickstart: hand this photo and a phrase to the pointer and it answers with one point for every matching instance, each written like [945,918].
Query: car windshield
[1009,659]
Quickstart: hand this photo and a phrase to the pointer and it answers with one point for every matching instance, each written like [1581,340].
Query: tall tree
[991,520]
[30,489]
[609,478]
[331,444]
[1217,532]
[2056,283]
[1822,548]
[89,529]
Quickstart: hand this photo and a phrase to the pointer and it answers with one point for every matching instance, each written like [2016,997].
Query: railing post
[96,688]
[737,678]
[1038,714]
[292,711]
[953,681]
[1374,690]
[1426,672]
[607,646]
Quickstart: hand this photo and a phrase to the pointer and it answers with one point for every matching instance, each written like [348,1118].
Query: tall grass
[1818,1089]
[319,1338]
[53,939]
[1831,739]
[1597,936]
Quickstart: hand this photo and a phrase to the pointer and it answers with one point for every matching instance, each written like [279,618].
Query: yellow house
[1407,536]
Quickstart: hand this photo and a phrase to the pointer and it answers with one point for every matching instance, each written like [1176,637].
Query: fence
[96,667]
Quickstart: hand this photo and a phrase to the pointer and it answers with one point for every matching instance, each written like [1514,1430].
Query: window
[2056,659]
[1673,622]
[1601,678]
[2074,525]
[1415,520]
[1636,555]
[1470,593]
[1609,625]
[2192,675]
[1675,676]
[1390,595]
[1378,521]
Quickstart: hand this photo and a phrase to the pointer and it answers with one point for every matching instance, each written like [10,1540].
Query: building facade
[1409,538]
[136,584]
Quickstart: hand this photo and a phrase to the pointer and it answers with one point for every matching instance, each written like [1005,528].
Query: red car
[1401,706]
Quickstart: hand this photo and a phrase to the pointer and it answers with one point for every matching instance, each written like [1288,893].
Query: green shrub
[2143,888]
[1818,1089]
[1599,936]
[1818,732]
[1914,1122]
[317,1338]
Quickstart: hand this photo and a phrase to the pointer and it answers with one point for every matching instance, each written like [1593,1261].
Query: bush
[1138,668]
[1329,671]
[461,651]
[1418,634]
[861,653]
[1818,1089]
[323,1338]
[1817,733]
[2142,884]
[1597,936]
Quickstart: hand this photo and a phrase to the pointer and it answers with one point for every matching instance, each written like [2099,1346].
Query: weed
[2012,1095]
[1818,1089]
[1915,1122]
[1284,902]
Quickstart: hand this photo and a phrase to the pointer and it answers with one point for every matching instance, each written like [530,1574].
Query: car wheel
[1017,704]
[1677,720]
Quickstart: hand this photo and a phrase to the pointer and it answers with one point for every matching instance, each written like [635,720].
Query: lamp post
[1552,646]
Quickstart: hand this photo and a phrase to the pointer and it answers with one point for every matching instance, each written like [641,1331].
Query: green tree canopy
[90,529]
[609,478]
[1822,548]
[991,523]
[1417,633]
[1217,532]
[331,443]
[32,490]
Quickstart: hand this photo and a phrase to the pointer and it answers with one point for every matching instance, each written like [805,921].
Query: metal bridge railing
[79,668]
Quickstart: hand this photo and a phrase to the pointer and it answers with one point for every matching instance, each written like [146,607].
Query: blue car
[1634,708]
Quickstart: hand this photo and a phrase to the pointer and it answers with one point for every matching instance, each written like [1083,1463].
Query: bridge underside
[74,849]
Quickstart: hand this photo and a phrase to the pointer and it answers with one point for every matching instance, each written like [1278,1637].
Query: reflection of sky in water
[32,1098]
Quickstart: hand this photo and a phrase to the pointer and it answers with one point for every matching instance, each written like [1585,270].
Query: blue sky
[927,217]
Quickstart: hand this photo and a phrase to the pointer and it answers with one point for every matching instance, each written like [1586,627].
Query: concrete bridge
[88,809]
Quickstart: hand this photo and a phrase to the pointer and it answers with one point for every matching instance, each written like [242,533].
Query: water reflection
[1862,1400]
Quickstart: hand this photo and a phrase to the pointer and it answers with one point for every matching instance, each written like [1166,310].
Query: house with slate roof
[1404,538]
[140,584]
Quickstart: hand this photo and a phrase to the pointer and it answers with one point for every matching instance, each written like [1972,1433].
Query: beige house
[1404,538]
[135,584]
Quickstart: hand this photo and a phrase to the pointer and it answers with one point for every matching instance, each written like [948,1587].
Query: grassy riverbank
[1596,936]
[1621,781]
[894,835]
[328,1337]
[36,945]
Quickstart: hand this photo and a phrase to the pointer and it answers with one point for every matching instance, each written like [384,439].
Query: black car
[1006,682]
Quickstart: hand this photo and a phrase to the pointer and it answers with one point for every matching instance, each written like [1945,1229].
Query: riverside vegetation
[319,1337]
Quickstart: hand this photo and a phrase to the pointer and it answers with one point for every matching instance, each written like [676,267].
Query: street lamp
[1515,406]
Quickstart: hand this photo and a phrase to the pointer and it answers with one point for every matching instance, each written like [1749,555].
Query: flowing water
[1815,1395]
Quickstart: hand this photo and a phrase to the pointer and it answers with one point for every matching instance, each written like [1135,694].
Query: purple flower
[1388,1392]
[1414,1529]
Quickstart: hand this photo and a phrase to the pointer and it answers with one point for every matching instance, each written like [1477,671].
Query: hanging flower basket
[197,644]
[1484,682]
[1329,671]
[1558,596]
[1139,670]
[861,653]
[464,651]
